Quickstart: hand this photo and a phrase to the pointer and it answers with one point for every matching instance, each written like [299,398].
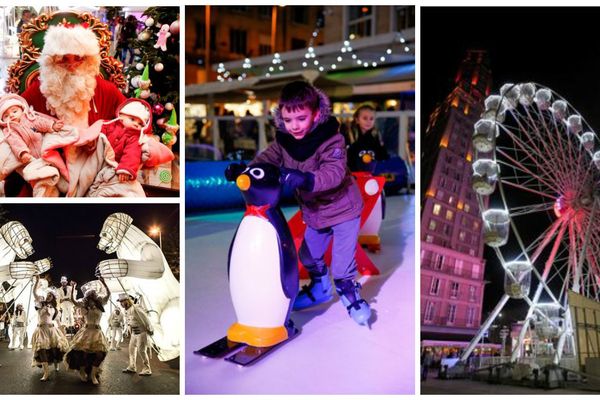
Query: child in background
[364,137]
[311,154]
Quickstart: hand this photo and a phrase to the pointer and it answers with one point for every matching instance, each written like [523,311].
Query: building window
[265,12]
[472,252]
[264,49]
[300,15]
[237,41]
[360,21]
[475,271]
[470,316]
[238,9]
[451,200]
[449,215]
[200,42]
[405,17]
[461,236]
[436,209]
[435,286]
[471,293]
[438,261]
[454,289]
[447,229]
[458,267]
[451,314]
[475,224]
[429,239]
[432,225]
[298,44]
[429,311]
[467,207]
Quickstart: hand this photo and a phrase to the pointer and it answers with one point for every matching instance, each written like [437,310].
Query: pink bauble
[174,28]
[144,94]
[158,109]
[161,122]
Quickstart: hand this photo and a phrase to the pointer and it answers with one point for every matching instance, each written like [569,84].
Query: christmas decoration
[144,82]
[161,56]
[172,126]
[139,66]
[144,35]
[135,81]
[158,109]
[174,27]
[167,138]
[163,35]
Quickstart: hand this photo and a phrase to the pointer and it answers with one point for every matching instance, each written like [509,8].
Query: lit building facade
[452,267]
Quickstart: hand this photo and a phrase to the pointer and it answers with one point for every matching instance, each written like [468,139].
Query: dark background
[556,47]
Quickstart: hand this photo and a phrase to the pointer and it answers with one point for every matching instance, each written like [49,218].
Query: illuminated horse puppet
[142,270]
[16,242]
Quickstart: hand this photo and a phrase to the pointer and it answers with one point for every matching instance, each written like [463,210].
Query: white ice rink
[332,354]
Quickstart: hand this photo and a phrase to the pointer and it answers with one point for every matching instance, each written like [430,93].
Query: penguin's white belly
[373,222]
[254,275]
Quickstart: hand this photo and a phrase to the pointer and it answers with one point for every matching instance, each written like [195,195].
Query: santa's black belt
[19,324]
[48,325]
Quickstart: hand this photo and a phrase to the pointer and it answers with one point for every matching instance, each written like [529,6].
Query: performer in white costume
[49,343]
[140,326]
[65,304]
[116,324]
[18,324]
[141,269]
[89,346]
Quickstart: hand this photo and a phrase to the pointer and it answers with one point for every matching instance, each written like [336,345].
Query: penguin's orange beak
[367,158]
[243,182]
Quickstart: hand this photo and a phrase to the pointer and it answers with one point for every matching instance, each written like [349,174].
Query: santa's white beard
[68,94]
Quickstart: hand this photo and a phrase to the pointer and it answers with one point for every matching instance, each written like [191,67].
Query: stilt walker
[67,318]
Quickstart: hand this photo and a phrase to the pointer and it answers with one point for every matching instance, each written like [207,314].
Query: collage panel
[509,202]
[89,293]
[300,141]
[89,103]
[90,299]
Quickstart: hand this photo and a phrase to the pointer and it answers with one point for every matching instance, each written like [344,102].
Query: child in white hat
[126,134]
[22,127]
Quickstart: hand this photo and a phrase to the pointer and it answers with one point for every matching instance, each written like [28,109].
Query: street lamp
[155,230]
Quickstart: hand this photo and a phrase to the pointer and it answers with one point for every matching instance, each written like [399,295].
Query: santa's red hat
[70,39]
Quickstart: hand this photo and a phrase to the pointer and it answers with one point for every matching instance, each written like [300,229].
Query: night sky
[69,233]
[556,47]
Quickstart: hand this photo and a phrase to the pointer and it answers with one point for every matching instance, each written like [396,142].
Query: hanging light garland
[311,59]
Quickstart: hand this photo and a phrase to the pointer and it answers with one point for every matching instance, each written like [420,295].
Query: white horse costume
[142,269]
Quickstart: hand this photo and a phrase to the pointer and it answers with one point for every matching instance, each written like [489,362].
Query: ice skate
[318,291]
[358,309]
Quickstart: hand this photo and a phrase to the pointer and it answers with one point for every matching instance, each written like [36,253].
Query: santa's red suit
[103,105]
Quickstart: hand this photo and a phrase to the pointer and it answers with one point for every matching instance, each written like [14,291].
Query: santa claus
[70,86]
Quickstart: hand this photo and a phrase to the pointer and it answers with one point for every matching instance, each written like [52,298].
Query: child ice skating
[311,154]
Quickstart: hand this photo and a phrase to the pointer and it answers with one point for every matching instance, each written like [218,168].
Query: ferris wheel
[537,180]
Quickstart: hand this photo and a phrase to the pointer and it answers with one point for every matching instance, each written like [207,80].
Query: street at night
[19,377]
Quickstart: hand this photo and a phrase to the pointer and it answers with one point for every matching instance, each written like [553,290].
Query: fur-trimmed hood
[324,113]
[148,127]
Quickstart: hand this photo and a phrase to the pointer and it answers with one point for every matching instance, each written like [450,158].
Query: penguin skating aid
[262,270]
